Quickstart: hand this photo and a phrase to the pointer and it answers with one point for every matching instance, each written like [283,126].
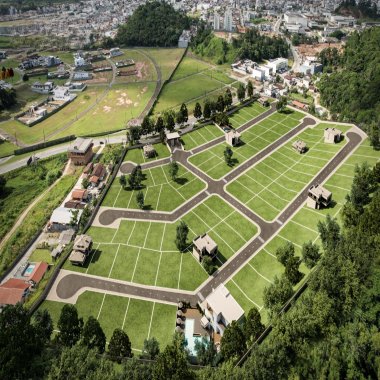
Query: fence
[45,144]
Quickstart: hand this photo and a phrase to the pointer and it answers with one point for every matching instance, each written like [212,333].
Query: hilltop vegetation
[363,9]
[153,24]
[352,91]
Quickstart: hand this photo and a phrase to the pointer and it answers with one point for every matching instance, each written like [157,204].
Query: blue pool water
[28,271]
[190,337]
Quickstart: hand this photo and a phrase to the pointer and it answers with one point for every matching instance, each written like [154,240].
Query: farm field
[140,319]
[268,187]
[160,192]
[254,140]
[137,155]
[145,252]
[200,136]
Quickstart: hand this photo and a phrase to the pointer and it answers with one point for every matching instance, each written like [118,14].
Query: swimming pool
[190,338]
[28,271]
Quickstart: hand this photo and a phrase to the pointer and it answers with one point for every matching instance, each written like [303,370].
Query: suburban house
[38,273]
[82,248]
[13,291]
[318,197]
[278,64]
[332,135]
[62,219]
[299,146]
[233,138]
[300,105]
[98,174]
[76,86]
[78,199]
[115,52]
[42,88]
[173,139]
[203,245]
[220,309]
[62,94]
[82,75]
[80,151]
[149,151]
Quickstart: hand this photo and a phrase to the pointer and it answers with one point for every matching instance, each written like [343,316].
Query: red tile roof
[94,179]
[79,193]
[10,296]
[38,272]
[15,283]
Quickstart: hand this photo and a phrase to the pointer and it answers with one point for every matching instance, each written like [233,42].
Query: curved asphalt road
[72,283]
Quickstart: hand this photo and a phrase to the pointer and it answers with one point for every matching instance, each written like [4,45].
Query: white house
[82,75]
[61,93]
[278,64]
[62,218]
[296,18]
[220,309]
[115,52]
[79,61]
[42,88]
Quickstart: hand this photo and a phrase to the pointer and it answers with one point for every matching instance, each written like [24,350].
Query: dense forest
[153,24]
[352,91]
[363,9]
[250,45]
[331,331]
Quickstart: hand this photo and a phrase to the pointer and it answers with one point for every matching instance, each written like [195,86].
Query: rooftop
[173,135]
[63,215]
[80,145]
[38,272]
[205,242]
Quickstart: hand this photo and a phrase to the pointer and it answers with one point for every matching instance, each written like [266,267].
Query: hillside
[364,9]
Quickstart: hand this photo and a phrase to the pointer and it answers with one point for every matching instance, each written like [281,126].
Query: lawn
[65,56]
[145,252]
[190,66]
[201,136]
[268,187]
[254,139]
[161,193]
[6,148]
[140,319]
[41,255]
[219,75]
[137,155]
[121,104]
[184,90]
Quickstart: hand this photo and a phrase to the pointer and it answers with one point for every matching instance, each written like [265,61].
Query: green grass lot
[254,140]
[145,252]
[308,100]
[137,155]
[166,59]
[121,104]
[6,148]
[138,318]
[219,75]
[189,66]
[268,187]
[248,284]
[185,90]
[65,56]
[160,192]
[201,136]
[32,135]
[41,255]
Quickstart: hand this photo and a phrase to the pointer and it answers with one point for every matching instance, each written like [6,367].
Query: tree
[85,183]
[228,98]
[253,327]
[281,104]
[285,252]
[374,135]
[292,270]
[170,124]
[43,324]
[74,218]
[3,183]
[93,335]
[173,170]
[197,111]
[208,264]
[135,178]
[159,124]
[181,237]
[207,110]
[220,104]
[184,112]
[179,117]
[147,125]
[249,89]
[120,345]
[206,351]
[25,77]
[151,348]
[329,232]
[222,119]
[241,92]
[69,326]
[233,343]
[140,199]
[310,254]
[162,136]
[276,294]
[228,156]
[123,181]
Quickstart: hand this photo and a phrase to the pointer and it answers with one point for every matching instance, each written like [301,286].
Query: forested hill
[364,9]
[352,91]
[153,24]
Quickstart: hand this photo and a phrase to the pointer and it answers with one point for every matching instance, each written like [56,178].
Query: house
[82,75]
[220,308]
[62,219]
[115,52]
[81,249]
[311,68]
[13,291]
[301,106]
[3,54]
[42,88]
[76,87]
[88,168]
[38,273]
[66,236]
[278,64]
[263,101]
[318,197]
[299,146]
[204,245]
[184,39]
[173,139]
[149,151]
[80,151]
[332,135]
[98,174]
[56,252]
[233,138]
[79,195]
[62,94]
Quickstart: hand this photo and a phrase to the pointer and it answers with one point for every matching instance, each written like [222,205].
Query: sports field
[269,186]
[145,252]
[201,136]
[137,155]
[189,66]
[140,319]
[161,193]
[253,139]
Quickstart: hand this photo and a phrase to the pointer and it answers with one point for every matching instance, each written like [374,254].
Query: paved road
[69,285]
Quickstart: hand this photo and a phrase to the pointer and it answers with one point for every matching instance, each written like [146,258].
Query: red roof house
[38,272]
[13,291]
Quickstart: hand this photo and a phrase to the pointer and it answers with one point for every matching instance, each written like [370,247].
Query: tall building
[216,21]
[228,20]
